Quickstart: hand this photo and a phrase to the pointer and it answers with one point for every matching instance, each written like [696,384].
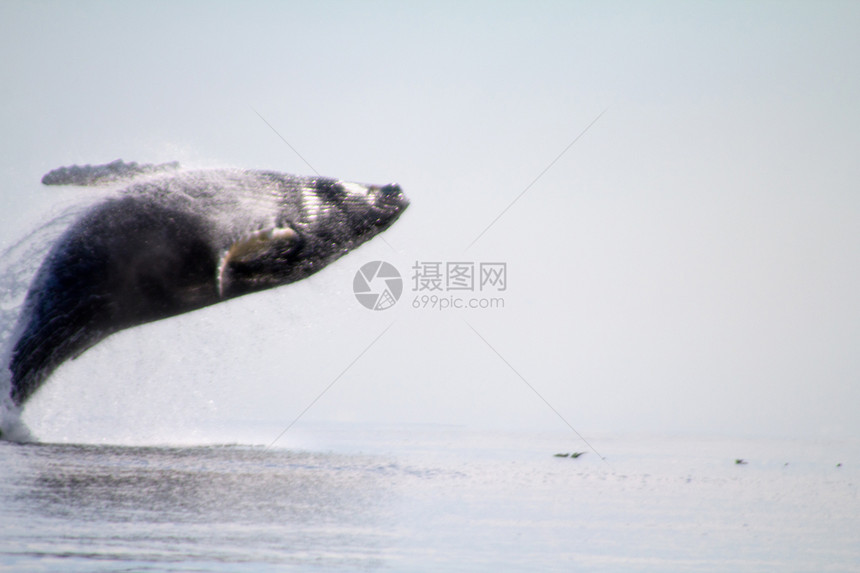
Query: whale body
[170,241]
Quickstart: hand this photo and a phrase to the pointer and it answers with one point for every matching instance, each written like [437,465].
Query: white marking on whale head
[311,203]
[356,190]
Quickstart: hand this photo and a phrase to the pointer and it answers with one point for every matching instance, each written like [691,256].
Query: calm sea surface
[433,499]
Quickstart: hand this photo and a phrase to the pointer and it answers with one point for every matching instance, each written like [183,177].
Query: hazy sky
[689,265]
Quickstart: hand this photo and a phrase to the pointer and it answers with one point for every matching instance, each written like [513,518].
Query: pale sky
[689,265]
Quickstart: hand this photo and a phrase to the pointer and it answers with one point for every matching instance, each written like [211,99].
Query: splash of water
[19,263]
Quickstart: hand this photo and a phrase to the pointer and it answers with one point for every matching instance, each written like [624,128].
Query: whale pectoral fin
[251,247]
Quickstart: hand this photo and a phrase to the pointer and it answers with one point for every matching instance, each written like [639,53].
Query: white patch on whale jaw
[356,191]
[249,247]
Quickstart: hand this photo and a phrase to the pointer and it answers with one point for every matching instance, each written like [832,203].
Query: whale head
[318,221]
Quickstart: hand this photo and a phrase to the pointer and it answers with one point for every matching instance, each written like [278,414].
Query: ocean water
[433,498]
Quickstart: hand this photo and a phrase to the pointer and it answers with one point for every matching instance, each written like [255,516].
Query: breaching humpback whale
[171,240]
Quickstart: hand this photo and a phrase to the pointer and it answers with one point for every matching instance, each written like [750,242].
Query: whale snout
[392,194]
[392,189]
